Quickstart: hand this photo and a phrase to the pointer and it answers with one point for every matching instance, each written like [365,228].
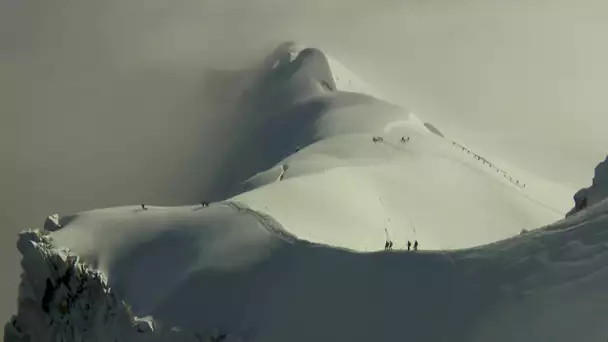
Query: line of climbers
[492,166]
[388,245]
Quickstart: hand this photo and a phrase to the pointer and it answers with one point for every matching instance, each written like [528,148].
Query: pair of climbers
[403,140]
[388,245]
[409,245]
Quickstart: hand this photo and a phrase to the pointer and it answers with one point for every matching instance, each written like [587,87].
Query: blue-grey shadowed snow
[290,93]
[368,285]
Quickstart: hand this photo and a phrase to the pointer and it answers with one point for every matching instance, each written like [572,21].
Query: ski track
[266,221]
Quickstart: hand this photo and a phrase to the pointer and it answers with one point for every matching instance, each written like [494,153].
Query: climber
[205,204]
[390,245]
[386,244]
[143,206]
[416,245]
[409,245]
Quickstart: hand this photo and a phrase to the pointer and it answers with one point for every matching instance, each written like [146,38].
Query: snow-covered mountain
[291,248]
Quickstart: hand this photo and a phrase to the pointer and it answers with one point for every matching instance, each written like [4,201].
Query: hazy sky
[108,102]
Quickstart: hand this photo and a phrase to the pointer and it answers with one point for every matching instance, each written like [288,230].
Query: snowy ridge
[511,290]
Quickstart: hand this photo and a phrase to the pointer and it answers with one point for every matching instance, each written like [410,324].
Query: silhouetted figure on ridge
[205,204]
[390,245]
[143,206]
[386,244]
[416,245]
[409,245]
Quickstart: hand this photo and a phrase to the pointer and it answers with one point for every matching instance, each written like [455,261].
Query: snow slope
[292,251]
[324,137]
